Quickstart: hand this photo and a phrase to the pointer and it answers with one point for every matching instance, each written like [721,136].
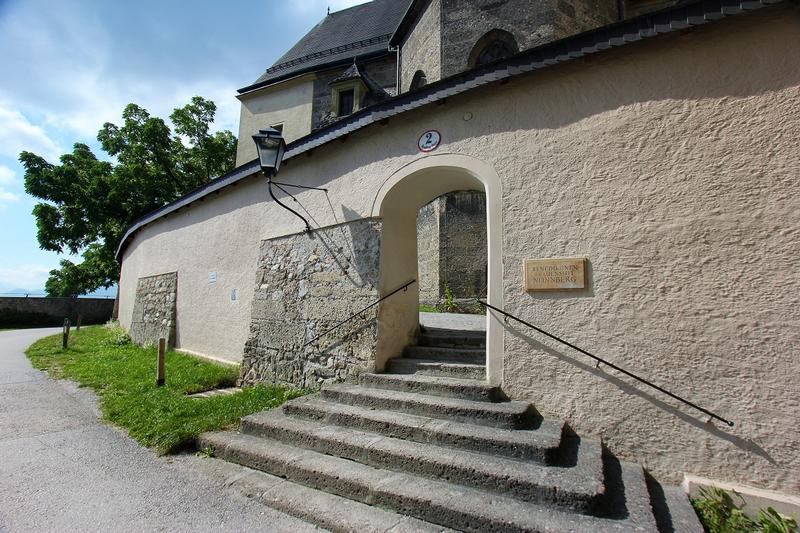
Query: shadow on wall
[599,372]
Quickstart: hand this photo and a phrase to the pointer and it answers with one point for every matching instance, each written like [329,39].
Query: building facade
[662,149]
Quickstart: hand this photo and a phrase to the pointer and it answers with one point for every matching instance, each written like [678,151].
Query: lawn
[123,375]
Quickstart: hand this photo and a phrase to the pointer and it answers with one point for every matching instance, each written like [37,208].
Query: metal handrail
[612,365]
[354,315]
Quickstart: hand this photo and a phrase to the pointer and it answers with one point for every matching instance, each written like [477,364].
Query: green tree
[88,203]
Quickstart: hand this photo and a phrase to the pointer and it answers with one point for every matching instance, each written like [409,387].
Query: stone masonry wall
[154,309]
[452,247]
[428,252]
[18,311]
[444,50]
[422,49]
[576,17]
[305,284]
[466,21]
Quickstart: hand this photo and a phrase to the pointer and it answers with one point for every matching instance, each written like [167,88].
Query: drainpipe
[397,62]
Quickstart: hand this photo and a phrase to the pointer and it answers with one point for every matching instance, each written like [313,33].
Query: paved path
[453,321]
[62,469]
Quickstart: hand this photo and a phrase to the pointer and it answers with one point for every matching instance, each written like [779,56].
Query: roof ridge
[329,51]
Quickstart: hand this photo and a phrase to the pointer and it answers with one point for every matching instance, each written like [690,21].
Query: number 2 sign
[429,141]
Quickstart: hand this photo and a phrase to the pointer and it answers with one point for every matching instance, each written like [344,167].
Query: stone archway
[397,203]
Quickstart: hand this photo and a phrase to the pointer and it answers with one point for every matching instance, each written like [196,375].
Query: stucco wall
[288,103]
[422,48]
[670,163]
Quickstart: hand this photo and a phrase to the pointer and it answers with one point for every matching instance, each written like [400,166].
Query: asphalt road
[63,469]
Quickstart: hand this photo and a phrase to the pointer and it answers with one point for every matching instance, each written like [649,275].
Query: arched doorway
[397,203]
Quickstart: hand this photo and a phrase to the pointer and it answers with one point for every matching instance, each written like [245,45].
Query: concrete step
[425,367]
[673,511]
[446,504]
[467,389]
[579,487]
[450,338]
[475,356]
[541,445]
[511,415]
[317,508]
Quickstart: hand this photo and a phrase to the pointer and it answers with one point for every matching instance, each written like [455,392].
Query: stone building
[659,153]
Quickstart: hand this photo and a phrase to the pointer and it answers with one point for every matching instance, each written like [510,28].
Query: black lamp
[270,146]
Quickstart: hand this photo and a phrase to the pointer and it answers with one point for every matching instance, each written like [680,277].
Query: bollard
[162,346]
[65,335]
[78,324]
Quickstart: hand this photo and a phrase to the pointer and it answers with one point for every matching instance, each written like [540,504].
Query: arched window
[493,46]
[418,80]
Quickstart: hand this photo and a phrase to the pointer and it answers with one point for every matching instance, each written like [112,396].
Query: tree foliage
[88,203]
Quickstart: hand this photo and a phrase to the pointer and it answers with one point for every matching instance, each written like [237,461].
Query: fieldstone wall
[422,49]
[452,247]
[443,36]
[154,309]
[305,284]
[33,311]
[428,252]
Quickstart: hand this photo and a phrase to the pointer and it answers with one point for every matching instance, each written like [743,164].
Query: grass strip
[123,376]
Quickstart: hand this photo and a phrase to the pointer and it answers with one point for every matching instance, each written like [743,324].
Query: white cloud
[28,276]
[6,178]
[17,133]
[6,175]
[6,196]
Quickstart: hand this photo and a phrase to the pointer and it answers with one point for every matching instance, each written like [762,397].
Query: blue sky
[69,66]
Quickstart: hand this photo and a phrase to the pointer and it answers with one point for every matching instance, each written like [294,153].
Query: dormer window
[350,91]
[347,98]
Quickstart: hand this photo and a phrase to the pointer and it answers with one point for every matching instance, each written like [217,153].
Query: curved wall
[671,164]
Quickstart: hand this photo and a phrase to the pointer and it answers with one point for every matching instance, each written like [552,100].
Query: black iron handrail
[612,365]
[354,315]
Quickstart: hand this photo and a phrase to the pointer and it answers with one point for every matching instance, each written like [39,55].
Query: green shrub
[720,514]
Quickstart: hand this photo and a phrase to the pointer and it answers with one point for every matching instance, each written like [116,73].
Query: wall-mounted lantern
[271,146]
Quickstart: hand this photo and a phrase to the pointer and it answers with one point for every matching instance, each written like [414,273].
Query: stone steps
[475,356]
[438,502]
[322,509]
[427,367]
[541,445]
[468,389]
[578,487]
[426,448]
[448,338]
[511,415]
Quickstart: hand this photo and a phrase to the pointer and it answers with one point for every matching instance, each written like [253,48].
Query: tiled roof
[586,44]
[359,31]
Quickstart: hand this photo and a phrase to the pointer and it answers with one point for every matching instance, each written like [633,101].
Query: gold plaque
[555,274]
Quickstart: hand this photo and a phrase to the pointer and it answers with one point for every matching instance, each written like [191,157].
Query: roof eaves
[414,9]
[313,68]
[618,34]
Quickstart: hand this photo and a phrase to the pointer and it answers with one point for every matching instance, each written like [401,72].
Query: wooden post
[78,325]
[162,346]
[65,335]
